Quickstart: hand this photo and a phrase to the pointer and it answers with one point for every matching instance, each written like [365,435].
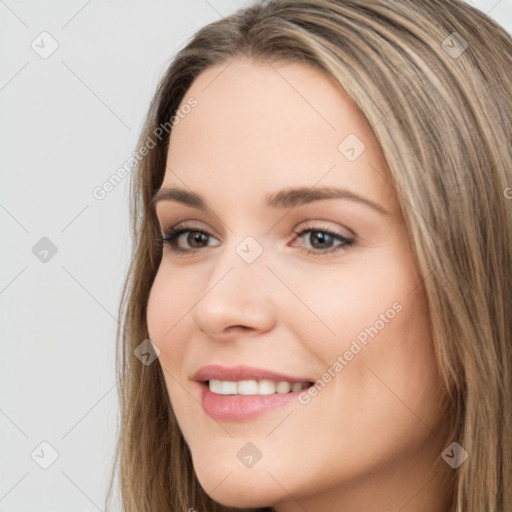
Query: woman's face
[296,261]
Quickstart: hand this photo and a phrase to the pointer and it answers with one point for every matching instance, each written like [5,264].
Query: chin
[242,489]
[238,487]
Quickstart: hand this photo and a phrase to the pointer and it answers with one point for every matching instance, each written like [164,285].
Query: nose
[236,301]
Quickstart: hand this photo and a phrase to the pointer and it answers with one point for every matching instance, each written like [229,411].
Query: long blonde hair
[434,81]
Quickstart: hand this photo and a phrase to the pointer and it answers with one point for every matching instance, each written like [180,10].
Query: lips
[242,372]
[239,407]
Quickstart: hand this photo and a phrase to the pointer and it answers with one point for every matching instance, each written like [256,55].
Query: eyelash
[171,236]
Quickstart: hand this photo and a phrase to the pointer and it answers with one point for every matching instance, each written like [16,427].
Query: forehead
[261,125]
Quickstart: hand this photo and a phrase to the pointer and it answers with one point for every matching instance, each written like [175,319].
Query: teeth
[227,387]
[266,387]
[296,386]
[248,387]
[215,386]
[283,387]
[254,387]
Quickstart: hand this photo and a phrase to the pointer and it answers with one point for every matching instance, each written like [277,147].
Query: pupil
[323,238]
[195,239]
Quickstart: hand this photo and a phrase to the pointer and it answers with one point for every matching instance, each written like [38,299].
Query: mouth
[255,387]
[243,393]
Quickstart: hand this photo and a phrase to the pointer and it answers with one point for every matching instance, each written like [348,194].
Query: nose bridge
[236,293]
[241,263]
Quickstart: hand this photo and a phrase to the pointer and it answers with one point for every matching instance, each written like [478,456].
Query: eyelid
[185,224]
[195,227]
[171,236]
[319,226]
[346,242]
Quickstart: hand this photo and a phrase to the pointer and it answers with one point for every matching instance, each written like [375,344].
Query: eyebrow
[287,198]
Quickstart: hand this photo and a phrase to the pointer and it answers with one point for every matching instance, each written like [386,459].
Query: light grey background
[67,123]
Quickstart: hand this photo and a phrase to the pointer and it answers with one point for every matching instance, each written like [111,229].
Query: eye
[187,239]
[324,241]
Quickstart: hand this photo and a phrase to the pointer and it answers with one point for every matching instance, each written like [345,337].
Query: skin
[368,440]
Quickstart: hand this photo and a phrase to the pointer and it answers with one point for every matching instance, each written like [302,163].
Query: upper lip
[242,372]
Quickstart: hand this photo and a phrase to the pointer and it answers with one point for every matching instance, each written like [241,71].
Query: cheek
[378,323]
[341,303]
[168,303]
[389,364]
[404,357]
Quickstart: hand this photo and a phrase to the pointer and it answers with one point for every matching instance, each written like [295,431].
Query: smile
[242,393]
[254,387]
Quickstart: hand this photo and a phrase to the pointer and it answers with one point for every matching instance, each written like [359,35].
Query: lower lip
[242,407]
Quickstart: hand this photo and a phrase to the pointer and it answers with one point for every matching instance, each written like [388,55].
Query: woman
[317,314]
